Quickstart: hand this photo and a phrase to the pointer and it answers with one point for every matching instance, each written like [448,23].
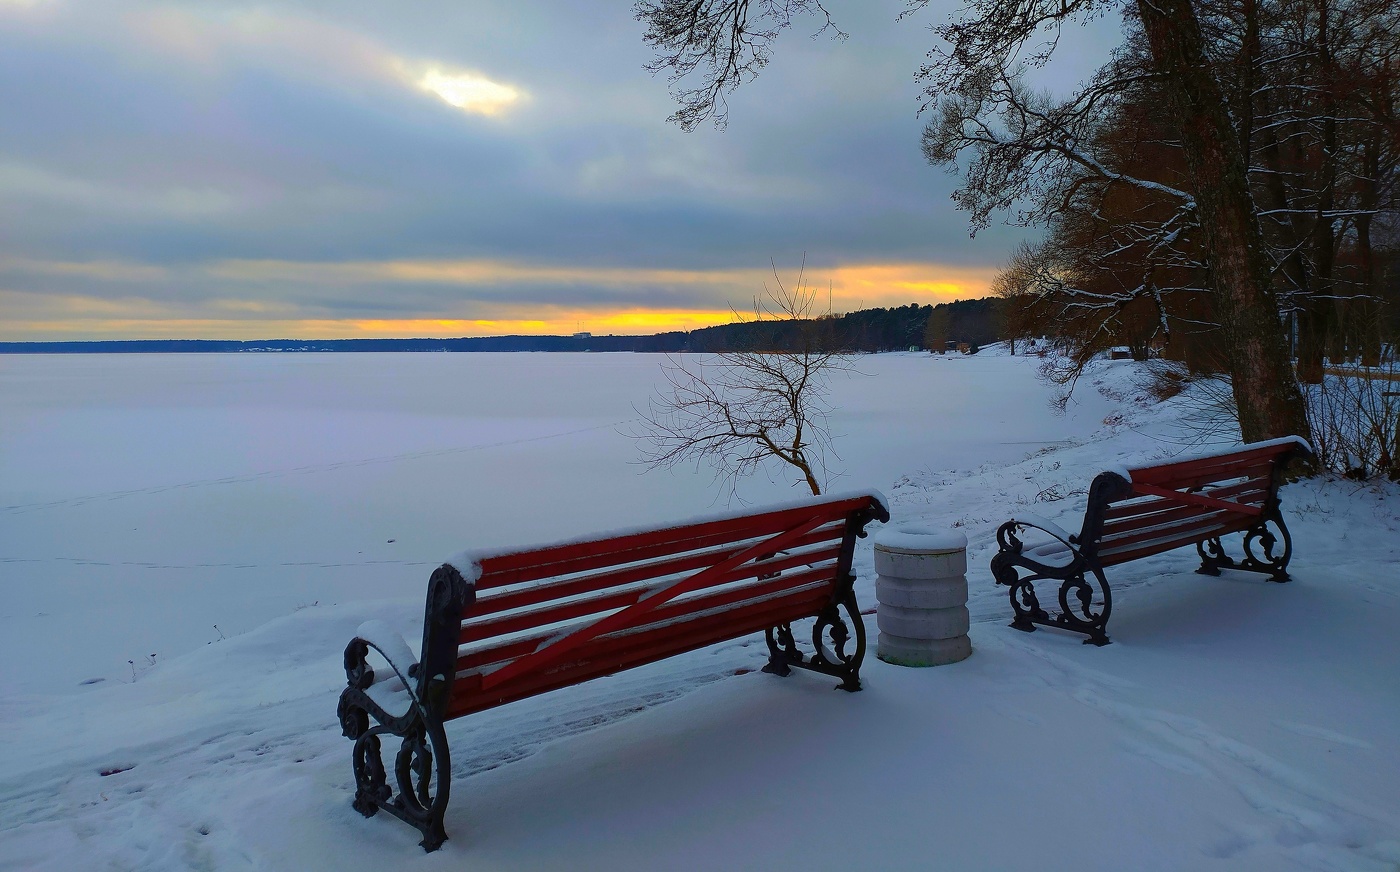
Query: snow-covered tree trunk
[1269,401]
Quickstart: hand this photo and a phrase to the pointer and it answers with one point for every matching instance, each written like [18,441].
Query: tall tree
[1266,394]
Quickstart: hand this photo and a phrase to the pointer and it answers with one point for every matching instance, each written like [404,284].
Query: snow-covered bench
[505,626]
[1147,510]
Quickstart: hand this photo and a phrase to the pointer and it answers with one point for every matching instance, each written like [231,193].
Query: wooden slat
[1210,469]
[1196,499]
[501,601]
[1214,469]
[737,596]
[1163,512]
[634,614]
[606,656]
[575,557]
[1200,518]
[1237,491]
[1168,543]
[795,602]
[556,612]
[1252,491]
[816,580]
[1178,514]
[1217,477]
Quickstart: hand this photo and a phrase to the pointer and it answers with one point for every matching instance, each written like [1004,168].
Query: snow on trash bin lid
[919,539]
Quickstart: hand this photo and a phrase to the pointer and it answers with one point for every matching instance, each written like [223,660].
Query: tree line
[866,330]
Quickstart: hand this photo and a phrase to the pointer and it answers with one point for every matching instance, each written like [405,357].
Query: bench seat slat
[510,649]
[1165,512]
[633,615]
[1175,539]
[1200,519]
[506,600]
[504,569]
[1250,492]
[607,655]
[556,612]
[1197,499]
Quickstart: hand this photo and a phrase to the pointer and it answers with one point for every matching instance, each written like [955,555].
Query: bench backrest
[1157,508]
[550,617]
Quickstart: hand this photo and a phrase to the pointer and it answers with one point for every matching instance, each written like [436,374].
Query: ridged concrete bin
[922,593]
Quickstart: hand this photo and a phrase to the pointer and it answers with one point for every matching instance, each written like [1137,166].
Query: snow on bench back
[469,562]
[1126,473]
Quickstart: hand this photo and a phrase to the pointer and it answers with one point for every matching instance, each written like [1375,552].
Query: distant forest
[973,322]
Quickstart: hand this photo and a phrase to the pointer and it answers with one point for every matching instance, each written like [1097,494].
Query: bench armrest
[1038,523]
[384,639]
[1051,558]
[394,649]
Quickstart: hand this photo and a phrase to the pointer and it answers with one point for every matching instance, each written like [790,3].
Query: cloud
[850,286]
[449,161]
[104,271]
[219,43]
[24,181]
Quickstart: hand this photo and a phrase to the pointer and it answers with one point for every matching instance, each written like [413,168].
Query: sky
[208,169]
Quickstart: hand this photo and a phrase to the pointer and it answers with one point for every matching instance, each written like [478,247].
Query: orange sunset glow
[237,313]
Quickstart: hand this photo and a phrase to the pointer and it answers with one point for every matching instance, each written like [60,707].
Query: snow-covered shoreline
[1233,724]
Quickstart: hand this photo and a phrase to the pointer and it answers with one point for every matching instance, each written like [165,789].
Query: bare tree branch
[739,411]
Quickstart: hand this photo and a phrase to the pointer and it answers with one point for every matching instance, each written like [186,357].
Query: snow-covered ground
[1233,724]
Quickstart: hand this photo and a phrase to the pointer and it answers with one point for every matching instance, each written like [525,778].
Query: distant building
[583,335]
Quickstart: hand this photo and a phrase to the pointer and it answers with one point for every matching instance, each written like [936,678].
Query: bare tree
[742,410]
[1017,289]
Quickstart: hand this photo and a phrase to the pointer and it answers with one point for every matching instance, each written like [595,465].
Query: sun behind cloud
[468,91]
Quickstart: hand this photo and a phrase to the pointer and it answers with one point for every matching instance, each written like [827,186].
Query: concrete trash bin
[922,594]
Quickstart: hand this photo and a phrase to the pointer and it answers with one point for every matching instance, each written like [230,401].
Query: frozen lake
[148,498]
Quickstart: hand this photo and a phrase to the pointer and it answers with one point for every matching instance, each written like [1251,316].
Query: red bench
[505,626]
[1147,510]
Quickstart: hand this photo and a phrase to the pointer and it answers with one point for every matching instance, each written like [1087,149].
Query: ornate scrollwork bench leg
[1024,603]
[831,634]
[422,767]
[1259,536]
[1267,561]
[1076,595]
[1213,557]
[833,631]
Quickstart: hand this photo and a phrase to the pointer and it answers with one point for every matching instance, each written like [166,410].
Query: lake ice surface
[148,498]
